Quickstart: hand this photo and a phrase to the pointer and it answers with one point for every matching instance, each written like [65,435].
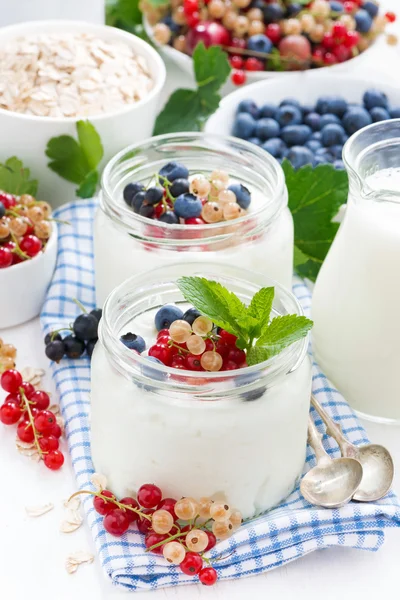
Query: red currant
[238,77]
[274,32]
[15,398]
[190,6]
[194,221]
[238,43]
[229,365]
[349,6]
[6,257]
[104,506]
[40,399]
[209,345]
[30,225]
[149,495]
[222,348]
[193,19]
[339,32]
[193,362]
[163,333]
[391,17]
[208,576]
[34,412]
[8,200]
[25,432]
[342,53]
[227,337]
[212,540]
[162,352]
[236,62]
[143,524]
[132,516]
[31,245]
[158,210]
[11,381]
[116,522]
[155,538]
[328,42]
[352,39]
[10,413]
[169,505]
[253,64]
[238,356]
[56,430]
[47,444]
[318,55]
[45,421]
[330,59]
[28,389]
[178,362]
[54,460]
[191,564]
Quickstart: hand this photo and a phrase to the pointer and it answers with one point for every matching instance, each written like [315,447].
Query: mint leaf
[187,110]
[214,301]
[87,188]
[260,308]
[90,143]
[256,355]
[15,178]
[282,332]
[315,196]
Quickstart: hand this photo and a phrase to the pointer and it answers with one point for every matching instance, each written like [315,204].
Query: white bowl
[306,86]
[27,136]
[24,286]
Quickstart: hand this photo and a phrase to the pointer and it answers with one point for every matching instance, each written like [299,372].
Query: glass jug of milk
[356,307]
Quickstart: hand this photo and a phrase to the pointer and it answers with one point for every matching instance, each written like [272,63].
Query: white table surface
[33,551]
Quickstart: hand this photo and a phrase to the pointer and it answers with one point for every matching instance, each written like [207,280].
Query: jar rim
[125,216]
[131,364]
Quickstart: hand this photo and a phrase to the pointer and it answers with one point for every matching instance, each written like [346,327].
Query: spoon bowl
[332,483]
[378,472]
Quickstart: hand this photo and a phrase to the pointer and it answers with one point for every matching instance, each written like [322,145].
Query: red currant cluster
[197,347]
[24,228]
[28,409]
[181,530]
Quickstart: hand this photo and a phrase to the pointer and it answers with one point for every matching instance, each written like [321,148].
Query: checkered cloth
[290,531]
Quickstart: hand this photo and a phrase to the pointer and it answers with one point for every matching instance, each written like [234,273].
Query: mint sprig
[15,178]
[260,336]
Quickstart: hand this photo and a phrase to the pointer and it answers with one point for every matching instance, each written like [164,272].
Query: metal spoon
[333,482]
[377,463]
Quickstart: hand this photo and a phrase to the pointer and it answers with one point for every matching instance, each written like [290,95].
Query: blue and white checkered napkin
[284,534]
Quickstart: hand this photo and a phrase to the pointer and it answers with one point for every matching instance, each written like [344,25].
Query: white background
[33,551]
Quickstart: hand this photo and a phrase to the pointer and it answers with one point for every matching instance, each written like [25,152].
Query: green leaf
[90,143]
[211,68]
[183,112]
[214,301]
[87,189]
[260,308]
[315,196]
[282,332]
[68,158]
[15,178]
[256,355]
[275,61]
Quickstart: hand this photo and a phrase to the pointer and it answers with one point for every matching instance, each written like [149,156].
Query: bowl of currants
[265,38]
[28,253]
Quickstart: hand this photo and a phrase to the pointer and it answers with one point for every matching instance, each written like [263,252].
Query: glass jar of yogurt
[126,243]
[242,433]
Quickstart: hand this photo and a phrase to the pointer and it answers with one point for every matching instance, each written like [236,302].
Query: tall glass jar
[242,432]
[126,243]
[355,302]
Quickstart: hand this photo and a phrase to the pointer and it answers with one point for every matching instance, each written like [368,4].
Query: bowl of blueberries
[306,118]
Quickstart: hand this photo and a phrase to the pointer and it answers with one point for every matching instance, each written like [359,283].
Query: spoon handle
[334,430]
[315,441]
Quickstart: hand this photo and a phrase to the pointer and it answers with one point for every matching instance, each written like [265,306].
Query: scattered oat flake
[33,376]
[99,481]
[72,522]
[27,449]
[77,558]
[38,511]
[55,409]
[73,503]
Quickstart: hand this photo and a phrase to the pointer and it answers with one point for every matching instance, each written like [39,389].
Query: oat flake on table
[70,75]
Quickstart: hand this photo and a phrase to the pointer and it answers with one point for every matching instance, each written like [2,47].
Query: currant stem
[54,333]
[58,221]
[172,537]
[172,344]
[114,501]
[17,249]
[80,305]
[28,410]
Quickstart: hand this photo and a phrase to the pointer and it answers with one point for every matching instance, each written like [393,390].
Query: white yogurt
[356,334]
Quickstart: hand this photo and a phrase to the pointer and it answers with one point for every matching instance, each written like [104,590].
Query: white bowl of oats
[55,73]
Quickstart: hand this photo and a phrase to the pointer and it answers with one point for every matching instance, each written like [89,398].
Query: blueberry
[259,43]
[174,170]
[166,315]
[313,145]
[74,347]
[355,119]
[363,21]
[296,135]
[130,192]
[272,13]
[90,344]
[97,312]
[52,338]
[255,140]
[188,205]
[289,115]
[169,217]
[244,126]
[133,342]
[316,136]
[138,201]
[371,7]
[268,111]
[329,119]
[306,109]
[339,165]
[153,195]
[293,9]
[290,102]
[324,156]
[146,210]
[173,26]
[300,156]
[332,134]
[266,129]
[335,105]
[275,146]
[250,107]
[379,114]
[243,196]
[2,210]
[191,315]
[394,113]
[320,160]
[85,327]
[152,373]
[55,350]
[179,186]
[336,150]
[336,6]
[313,120]
[373,98]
